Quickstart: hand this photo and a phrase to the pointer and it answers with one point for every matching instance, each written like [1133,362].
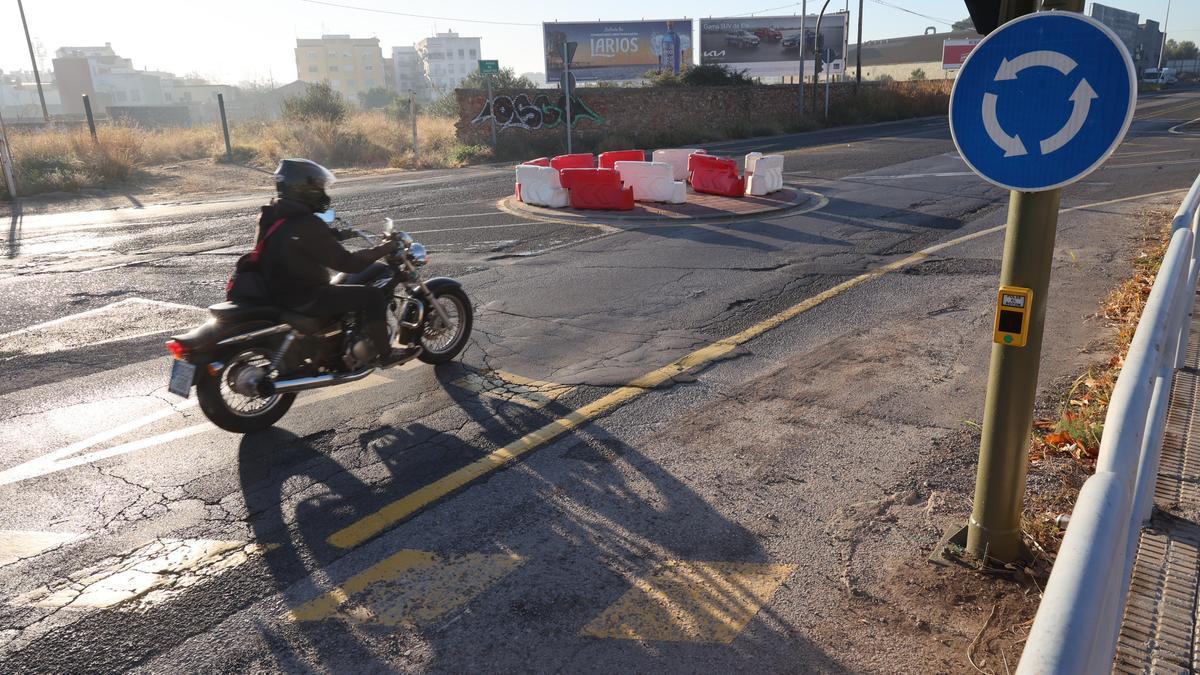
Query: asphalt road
[136,535]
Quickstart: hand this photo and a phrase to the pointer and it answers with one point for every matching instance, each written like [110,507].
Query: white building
[408,72]
[447,59]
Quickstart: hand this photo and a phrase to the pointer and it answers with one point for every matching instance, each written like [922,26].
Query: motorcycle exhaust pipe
[316,382]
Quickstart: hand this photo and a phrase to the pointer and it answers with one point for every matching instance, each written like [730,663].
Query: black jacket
[297,258]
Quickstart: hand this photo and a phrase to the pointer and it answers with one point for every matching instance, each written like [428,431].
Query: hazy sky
[233,41]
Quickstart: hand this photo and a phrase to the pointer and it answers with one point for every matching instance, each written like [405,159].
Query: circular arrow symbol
[1081,98]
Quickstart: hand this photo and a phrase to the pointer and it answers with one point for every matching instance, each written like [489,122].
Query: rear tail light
[177,349]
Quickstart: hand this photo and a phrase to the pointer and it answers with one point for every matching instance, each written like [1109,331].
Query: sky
[233,41]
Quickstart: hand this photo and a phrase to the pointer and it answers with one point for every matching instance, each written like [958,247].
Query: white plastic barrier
[652,182]
[765,174]
[540,186]
[677,158]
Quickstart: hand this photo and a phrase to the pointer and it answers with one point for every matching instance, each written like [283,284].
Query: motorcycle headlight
[417,253]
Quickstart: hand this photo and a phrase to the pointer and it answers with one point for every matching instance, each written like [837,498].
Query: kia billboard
[769,46]
[618,50]
[955,52]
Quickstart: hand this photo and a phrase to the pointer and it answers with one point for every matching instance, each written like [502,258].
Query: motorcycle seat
[235,312]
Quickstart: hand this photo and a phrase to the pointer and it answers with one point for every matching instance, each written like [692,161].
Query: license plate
[182,376]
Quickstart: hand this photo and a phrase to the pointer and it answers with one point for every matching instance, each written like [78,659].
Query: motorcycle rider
[297,257]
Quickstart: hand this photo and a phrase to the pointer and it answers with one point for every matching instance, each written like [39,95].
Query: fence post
[225,127]
[412,113]
[87,109]
[6,163]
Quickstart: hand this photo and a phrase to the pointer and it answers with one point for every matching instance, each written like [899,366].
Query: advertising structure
[618,50]
[769,46]
[955,52]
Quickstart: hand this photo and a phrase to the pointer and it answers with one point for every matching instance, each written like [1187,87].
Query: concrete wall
[645,114]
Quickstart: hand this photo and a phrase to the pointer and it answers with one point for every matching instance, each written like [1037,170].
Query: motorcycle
[247,362]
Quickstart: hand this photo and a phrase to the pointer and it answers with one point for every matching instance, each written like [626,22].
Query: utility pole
[33,59]
[568,55]
[858,50]
[803,21]
[491,107]
[994,529]
[816,56]
[1162,48]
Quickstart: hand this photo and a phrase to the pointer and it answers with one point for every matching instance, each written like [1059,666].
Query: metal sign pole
[412,114]
[994,530]
[567,90]
[803,19]
[491,107]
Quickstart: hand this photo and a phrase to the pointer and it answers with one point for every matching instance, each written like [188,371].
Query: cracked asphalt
[201,551]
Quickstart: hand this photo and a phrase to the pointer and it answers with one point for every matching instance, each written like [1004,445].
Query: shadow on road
[591,513]
[12,244]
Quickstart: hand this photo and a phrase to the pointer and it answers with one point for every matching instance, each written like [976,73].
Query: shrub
[318,102]
[462,155]
[918,74]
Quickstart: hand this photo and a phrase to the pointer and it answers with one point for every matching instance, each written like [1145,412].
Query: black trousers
[371,302]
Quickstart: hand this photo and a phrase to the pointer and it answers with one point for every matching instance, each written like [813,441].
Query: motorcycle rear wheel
[235,412]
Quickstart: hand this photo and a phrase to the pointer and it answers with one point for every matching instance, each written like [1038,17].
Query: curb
[800,198]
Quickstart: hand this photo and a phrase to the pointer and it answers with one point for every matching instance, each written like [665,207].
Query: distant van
[1159,76]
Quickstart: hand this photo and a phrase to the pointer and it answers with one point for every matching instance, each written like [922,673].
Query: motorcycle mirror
[328,216]
[390,227]
[406,238]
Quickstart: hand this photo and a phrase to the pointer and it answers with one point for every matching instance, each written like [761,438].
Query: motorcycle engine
[360,353]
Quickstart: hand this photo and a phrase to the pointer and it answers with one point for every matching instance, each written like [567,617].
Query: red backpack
[247,283]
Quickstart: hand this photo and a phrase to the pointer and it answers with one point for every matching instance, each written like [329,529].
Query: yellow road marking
[410,588]
[144,577]
[363,529]
[691,602]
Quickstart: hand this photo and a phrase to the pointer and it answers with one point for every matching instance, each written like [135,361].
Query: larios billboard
[618,50]
[769,46]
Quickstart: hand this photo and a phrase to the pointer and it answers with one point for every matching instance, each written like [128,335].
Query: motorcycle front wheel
[441,343]
[233,411]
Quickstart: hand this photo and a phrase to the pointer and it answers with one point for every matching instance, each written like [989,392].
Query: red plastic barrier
[597,189]
[697,161]
[540,161]
[716,176]
[576,161]
[609,159]
[718,183]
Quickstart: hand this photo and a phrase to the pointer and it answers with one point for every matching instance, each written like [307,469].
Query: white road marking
[1172,162]
[478,227]
[1176,129]
[132,318]
[945,174]
[60,460]
[19,544]
[457,215]
[92,312]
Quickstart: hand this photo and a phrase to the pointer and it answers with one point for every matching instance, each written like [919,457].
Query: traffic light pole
[994,530]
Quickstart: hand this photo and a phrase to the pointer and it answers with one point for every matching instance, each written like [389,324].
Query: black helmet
[304,181]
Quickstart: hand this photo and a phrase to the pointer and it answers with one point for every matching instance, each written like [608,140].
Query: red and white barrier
[677,158]
[652,182]
[541,186]
[764,174]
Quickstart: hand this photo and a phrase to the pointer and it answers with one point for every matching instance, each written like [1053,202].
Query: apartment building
[351,65]
[447,59]
[408,71]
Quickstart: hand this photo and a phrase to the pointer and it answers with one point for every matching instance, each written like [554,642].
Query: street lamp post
[816,55]
[1162,47]
[33,59]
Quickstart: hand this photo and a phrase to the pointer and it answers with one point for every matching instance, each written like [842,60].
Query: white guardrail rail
[1080,615]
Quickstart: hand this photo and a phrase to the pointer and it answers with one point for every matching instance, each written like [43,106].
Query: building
[898,58]
[1123,23]
[408,71]
[446,60]
[1147,45]
[105,77]
[352,66]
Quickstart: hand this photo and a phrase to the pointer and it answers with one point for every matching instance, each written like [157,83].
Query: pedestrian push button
[1013,306]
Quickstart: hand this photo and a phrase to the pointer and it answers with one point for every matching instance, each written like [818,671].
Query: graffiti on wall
[531,114]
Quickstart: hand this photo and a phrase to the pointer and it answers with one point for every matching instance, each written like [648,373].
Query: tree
[965,24]
[917,74]
[1180,50]
[319,101]
[376,98]
[507,78]
[699,76]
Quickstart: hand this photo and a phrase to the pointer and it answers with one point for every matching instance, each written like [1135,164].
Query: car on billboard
[742,38]
[767,34]
[792,42]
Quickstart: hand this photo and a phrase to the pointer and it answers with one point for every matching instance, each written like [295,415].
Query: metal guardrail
[1079,619]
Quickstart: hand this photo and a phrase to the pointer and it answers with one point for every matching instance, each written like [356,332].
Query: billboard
[617,50]
[769,46]
[955,52]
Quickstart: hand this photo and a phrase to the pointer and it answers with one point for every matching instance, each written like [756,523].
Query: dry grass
[1066,448]
[68,159]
